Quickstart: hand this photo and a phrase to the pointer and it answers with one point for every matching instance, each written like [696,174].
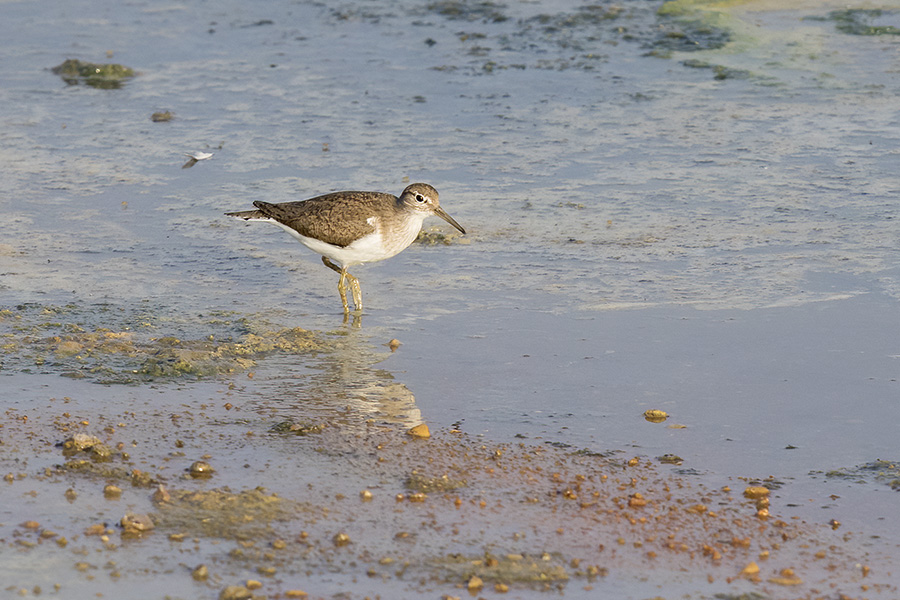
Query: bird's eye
[420,198]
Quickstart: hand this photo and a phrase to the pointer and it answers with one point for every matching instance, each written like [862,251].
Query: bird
[352,228]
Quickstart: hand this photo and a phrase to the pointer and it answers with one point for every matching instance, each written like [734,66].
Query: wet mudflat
[244,494]
[671,207]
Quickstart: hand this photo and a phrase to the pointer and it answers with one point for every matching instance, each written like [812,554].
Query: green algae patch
[82,444]
[726,38]
[680,8]
[221,513]
[172,358]
[571,39]
[720,72]
[541,570]
[291,427]
[418,482]
[884,472]
[435,238]
[87,455]
[693,26]
[864,21]
[466,10]
[107,76]
[108,472]
[120,347]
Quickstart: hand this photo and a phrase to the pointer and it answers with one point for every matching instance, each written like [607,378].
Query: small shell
[200,469]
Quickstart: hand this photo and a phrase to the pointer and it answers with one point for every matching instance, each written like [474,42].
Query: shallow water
[709,232]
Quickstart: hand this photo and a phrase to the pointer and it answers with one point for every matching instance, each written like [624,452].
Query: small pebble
[235,592]
[161,495]
[420,431]
[756,491]
[200,573]
[137,523]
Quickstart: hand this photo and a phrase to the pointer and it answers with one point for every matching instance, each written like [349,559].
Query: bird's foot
[357,292]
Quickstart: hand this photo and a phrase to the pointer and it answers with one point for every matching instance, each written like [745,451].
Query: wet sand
[355,505]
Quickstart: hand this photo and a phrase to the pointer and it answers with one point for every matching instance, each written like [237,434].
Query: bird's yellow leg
[342,288]
[354,288]
[342,285]
[357,292]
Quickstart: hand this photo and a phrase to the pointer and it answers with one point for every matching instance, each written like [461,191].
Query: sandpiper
[352,228]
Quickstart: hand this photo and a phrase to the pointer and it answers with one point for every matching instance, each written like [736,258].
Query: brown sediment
[446,511]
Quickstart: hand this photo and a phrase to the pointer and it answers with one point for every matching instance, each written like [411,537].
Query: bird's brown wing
[338,219]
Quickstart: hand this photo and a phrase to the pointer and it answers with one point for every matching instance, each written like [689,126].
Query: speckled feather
[339,219]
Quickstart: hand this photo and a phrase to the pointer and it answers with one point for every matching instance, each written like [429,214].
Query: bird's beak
[442,214]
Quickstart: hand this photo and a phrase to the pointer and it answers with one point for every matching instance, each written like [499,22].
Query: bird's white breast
[369,248]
